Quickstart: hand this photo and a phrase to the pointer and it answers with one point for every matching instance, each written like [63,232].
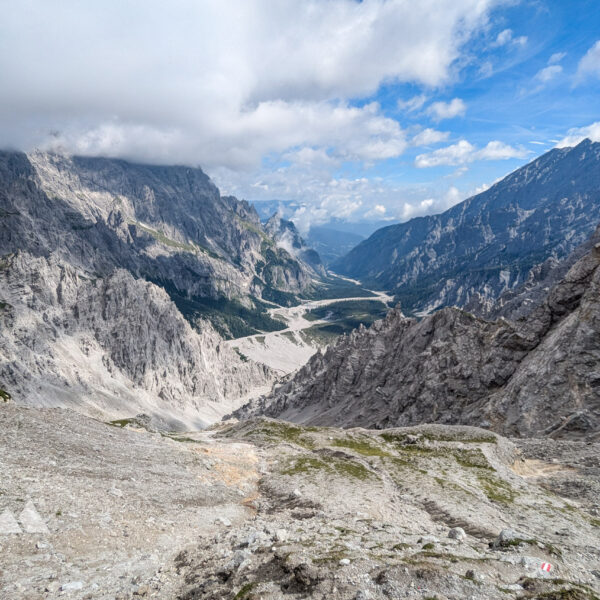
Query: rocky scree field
[267,509]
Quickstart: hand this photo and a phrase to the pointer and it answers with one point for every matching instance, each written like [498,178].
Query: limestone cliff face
[111,346]
[167,224]
[535,376]
[83,241]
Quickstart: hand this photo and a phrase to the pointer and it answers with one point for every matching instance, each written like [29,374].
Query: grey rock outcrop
[111,347]
[535,376]
[489,243]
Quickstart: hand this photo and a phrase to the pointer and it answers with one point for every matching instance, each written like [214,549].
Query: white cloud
[589,65]
[556,58]
[456,154]
[377,212]
[447,110]
[503,37]
[412,104]
[431,205]
[486,69]
[506,37]
[429,136]
[578,134]
[416,209]
[464,152]
[219,83]
[548,73]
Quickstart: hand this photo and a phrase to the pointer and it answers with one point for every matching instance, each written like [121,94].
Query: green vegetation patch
[4,395]
[496,489]
[229,317]
[345,468]
[537,589]
[290,336]
[361,446]
[272,294]
[333,287]
[305,464]
[351,313]
[471,458]
[278,431]
[457,436]
[322,335]
[123,422]
[245,591]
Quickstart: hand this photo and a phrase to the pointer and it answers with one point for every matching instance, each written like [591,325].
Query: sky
[372,110]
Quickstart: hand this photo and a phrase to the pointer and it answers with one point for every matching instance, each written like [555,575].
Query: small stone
[115,492]
[255,538]
[239,557]
[31,520]
[296,493]
[225,522]
[142,591]
[52,587]
[362,595]
[344,562]
[457,533]
[8,523]
[72,586]
[281,535]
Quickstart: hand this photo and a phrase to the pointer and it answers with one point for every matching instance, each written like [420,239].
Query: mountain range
[113,277]
[488,244]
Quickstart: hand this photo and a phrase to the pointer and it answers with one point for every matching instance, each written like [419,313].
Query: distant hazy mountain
[267,208]
[535,376]
[332,244]
[487,244]
[332,239]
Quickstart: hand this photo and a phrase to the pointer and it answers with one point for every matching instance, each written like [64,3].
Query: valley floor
[265,509]
[288,350]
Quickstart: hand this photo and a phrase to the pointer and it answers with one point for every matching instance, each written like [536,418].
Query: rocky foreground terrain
[265,509]
[534,376]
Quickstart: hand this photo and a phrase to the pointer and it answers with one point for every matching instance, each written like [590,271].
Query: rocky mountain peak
[488,244]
